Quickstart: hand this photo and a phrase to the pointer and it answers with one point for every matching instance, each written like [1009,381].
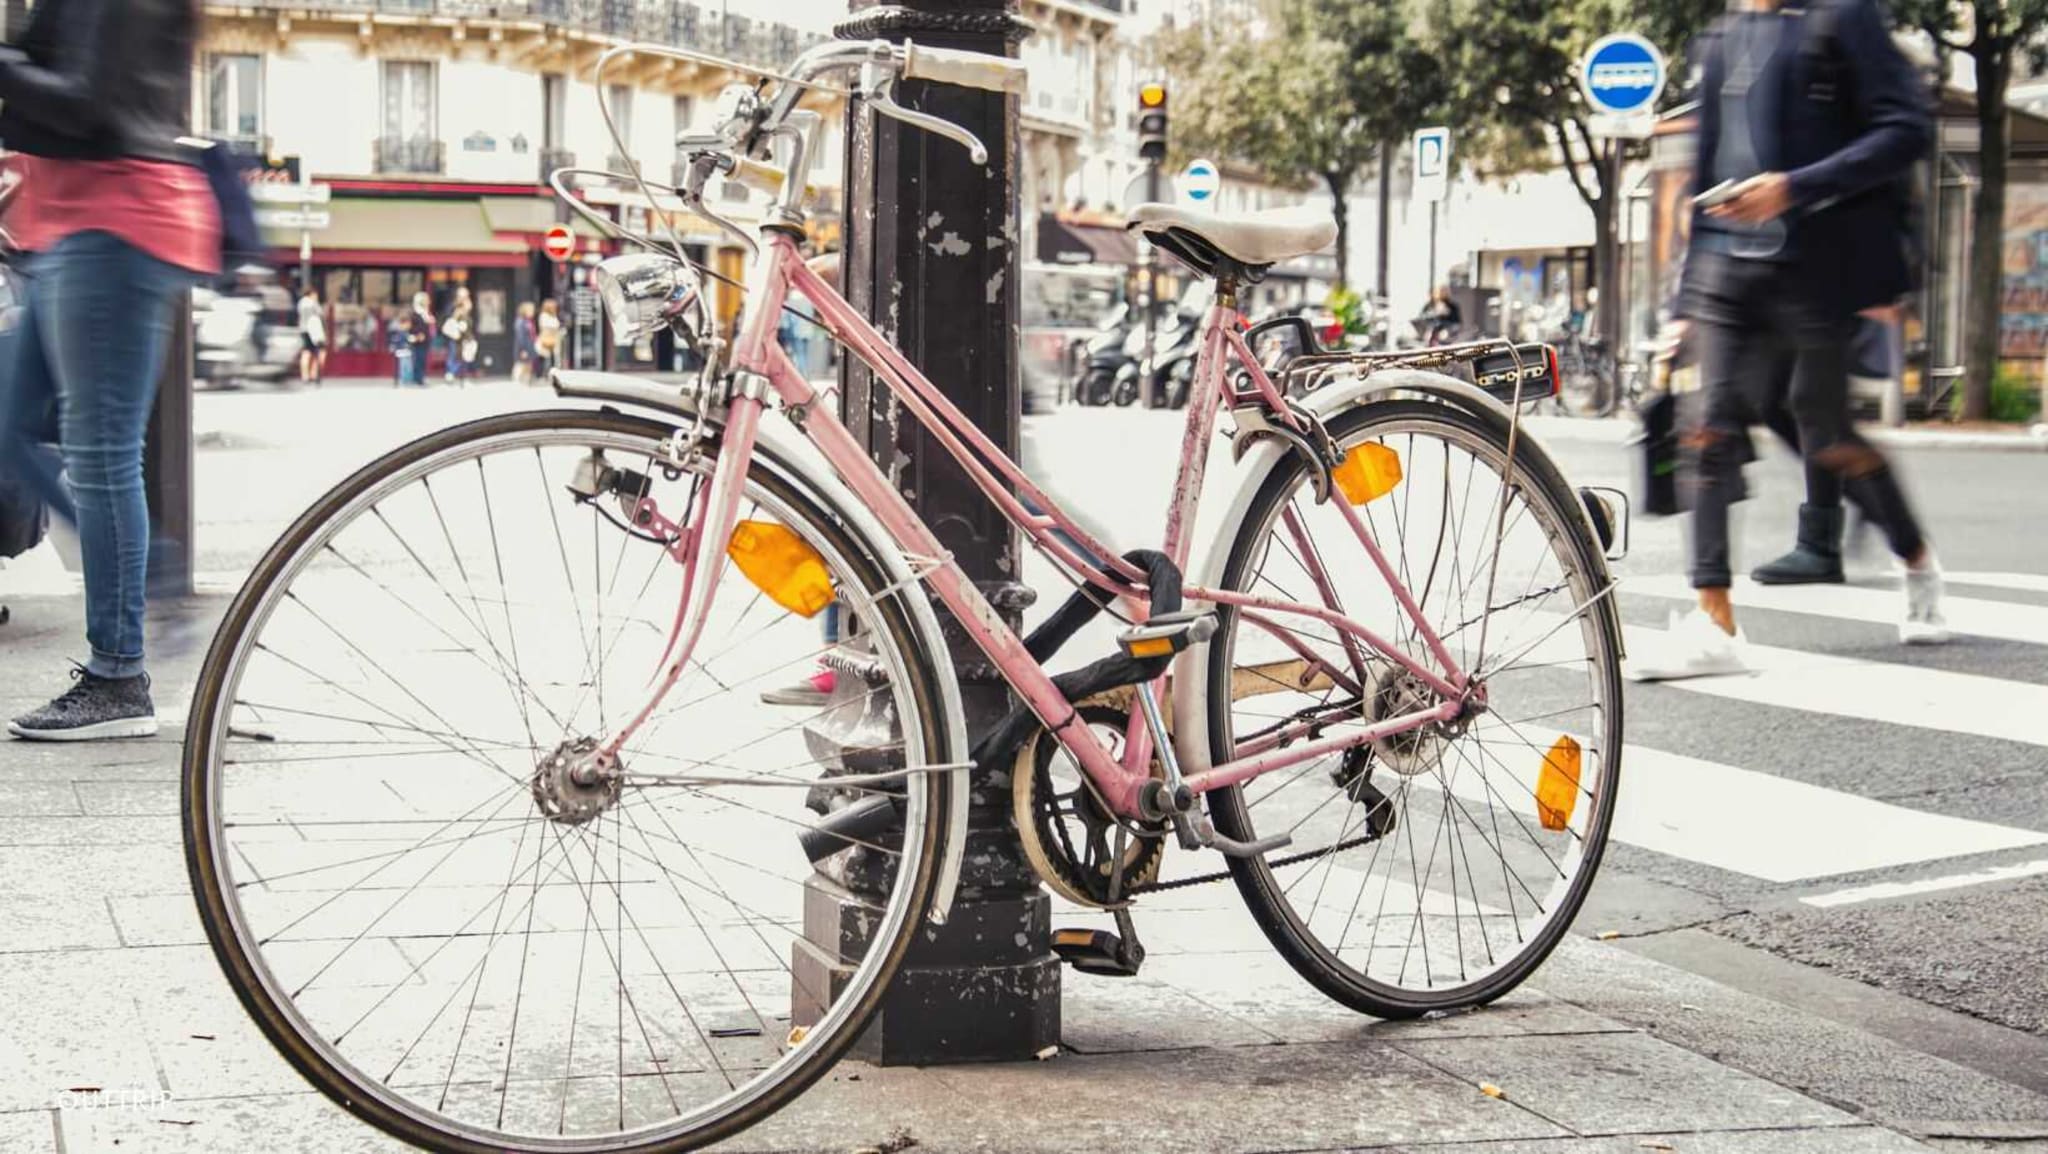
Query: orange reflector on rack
[1368,473]
[1557,786]
[782,565]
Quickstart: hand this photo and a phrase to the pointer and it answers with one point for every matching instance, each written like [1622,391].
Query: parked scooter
[1175,347]
[1104,354]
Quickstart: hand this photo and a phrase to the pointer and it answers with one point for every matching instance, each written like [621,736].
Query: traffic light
[1152,120]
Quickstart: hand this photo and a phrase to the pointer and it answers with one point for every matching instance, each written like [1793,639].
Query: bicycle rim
[1438,867]
[531,964]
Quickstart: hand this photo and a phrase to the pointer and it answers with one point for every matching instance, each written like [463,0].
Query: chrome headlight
[643,291]
[737,114]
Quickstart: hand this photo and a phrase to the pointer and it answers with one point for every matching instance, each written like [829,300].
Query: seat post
[1226,287]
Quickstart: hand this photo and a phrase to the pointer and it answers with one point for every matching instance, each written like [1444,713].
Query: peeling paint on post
[986,985]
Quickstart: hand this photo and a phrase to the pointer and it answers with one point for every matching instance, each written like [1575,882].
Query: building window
[412,137]
[619,99]
[686,114]
[234,97]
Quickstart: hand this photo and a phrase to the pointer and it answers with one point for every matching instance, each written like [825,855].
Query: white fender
[1191,668]
[790,455]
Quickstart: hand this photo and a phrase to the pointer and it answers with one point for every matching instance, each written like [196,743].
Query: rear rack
[1497,367]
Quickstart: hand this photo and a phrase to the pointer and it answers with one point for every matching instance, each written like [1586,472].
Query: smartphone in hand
[1718,195]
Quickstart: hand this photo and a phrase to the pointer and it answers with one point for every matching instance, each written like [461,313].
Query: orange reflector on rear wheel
[1557,785]
[782,565]
[1368,472]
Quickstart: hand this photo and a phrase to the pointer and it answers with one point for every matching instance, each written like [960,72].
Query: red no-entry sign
[559,243]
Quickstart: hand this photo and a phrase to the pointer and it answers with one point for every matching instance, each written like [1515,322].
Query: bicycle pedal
[1098,952]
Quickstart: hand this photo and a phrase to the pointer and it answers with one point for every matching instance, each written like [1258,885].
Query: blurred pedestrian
[398,339]
[1809,121]
[120,221]
[419,336]
[525,349]
[312,338]
[549,340]
[459,330]
[1441,317]
[1875,358]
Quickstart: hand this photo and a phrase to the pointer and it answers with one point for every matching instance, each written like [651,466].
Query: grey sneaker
[95,709]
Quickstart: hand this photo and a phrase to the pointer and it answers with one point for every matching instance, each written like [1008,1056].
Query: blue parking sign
[1622,74]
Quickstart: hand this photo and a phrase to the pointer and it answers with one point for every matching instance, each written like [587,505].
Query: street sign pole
[1431,161]
[1621,77]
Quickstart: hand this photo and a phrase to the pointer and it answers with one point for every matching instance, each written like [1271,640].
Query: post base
[967,992]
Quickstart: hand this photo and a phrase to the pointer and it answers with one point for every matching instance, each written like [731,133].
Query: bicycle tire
[364,1098]
[1257,885]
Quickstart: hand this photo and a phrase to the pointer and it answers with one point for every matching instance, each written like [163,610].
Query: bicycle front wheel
[442,923]
[1436,868]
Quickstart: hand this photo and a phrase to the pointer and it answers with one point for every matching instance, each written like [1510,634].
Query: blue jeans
[92,334]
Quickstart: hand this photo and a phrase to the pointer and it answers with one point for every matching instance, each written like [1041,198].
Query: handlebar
[966,69]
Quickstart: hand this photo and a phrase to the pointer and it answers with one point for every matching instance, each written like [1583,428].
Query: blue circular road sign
[1622,74]
[1200,181]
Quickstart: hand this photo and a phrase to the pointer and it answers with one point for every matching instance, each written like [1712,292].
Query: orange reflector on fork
[1557,785]
[1368,472]
[782,565]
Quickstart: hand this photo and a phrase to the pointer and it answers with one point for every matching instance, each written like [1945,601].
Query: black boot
[1817,559]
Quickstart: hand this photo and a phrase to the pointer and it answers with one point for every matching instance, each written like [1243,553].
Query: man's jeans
[91,335]
[1753,320]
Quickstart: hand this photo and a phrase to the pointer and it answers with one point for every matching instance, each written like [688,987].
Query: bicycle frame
[760,366]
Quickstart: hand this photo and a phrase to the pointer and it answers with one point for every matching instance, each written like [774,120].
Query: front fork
[705,565]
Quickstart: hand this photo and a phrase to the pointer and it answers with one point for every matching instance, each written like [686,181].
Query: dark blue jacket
[1853,120]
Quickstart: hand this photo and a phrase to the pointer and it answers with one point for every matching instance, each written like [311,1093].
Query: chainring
[1070,835]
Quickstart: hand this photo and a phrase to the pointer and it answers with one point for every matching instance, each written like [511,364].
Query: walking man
[1809,120]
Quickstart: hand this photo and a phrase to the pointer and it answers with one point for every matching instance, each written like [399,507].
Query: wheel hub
[576,782]
[1395,692]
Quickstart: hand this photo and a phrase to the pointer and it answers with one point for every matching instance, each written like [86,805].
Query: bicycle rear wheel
[445,928]
[1435,869]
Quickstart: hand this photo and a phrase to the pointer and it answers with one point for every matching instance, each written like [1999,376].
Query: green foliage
[2015,396]
[1305,91]
[1514,68]
[1348,307]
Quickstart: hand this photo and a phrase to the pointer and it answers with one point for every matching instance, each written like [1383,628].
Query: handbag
[241,242]
[1656,451]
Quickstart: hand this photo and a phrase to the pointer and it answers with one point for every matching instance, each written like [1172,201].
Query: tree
[1304,90]
[1999,31]
[1516,99]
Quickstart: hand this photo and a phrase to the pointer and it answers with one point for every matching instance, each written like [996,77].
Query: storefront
[386,242]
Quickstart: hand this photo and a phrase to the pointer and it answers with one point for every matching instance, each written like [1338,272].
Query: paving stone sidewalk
[124,1037]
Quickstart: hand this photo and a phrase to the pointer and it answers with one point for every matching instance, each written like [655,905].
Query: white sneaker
[1694,647]
[1923,623]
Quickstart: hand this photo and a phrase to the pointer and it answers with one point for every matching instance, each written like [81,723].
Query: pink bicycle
[496,840]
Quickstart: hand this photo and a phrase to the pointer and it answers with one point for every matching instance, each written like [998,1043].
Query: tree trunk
[1986,300]
[1607,250]
[1381,286]
[1340,188]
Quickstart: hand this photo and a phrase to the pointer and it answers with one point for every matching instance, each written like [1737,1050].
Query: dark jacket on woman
[101,80]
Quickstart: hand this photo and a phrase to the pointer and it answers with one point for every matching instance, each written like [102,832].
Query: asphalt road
[1872,813]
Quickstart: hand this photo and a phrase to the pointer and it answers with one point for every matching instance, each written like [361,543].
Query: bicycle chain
[1295,859]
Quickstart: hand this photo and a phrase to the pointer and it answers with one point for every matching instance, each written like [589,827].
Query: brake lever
[882,98]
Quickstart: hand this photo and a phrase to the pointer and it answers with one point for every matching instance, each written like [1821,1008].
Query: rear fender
[794,460]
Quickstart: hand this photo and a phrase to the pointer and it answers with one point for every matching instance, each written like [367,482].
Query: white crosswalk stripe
[1777,829]
[1970,615]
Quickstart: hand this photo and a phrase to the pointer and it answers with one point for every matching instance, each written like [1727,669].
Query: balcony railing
[677,23]
[415,155]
